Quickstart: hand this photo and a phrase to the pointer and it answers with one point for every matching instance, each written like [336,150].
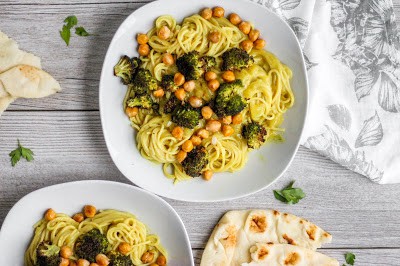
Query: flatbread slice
[5,102]
[28,82]
[287,255]
[11,55]
[237,231]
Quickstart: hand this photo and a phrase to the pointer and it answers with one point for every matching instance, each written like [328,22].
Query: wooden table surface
[65,133]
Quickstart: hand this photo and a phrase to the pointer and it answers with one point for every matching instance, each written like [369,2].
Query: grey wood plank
[364,257]
[69,146]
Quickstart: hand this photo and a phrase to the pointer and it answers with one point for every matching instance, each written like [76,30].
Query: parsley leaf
[289,194]
[81,31]
[65,34]
[18,152]
[350,258]
[71,21]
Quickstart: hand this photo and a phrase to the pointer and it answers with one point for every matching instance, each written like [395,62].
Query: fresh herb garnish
[71,22]
[350,258]
[289,194]
[81,31]
[18,152]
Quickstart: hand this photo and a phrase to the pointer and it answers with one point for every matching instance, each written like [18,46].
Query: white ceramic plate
[69,198]
[264,166]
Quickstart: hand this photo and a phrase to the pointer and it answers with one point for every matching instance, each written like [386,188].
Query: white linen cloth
[352,52]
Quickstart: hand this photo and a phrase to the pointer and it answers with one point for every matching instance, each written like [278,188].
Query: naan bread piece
[5,102]
[11,55]
[287,255]
[28,82]
[248,227]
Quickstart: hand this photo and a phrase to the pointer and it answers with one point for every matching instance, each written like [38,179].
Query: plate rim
[238,195]
[103,182]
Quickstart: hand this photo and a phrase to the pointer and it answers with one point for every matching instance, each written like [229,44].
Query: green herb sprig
[350,258]
[20,152]
[70,22]
[289,194]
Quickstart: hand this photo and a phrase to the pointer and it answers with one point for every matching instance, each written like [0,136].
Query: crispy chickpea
[213,125]
[203,133]
[142,38]
[214,36]
[237,119]
[82,262]
[147,257]
[180,94]
[50,215]
[234,19]
[245,27]
[144,49]
[227,120]
[132,111]
[210,75]
[259,44]
[253,35]
[207,174]
[168,59]
[213,85]
[179,79]
[189,85]
[78,217]
[206,112]
[163,33]
[89,211]
[228,76]
[180,156]
[247,45]
[154,264]
[124,248]
[227,130]
[196,140]
[161,260]
[66,252]
[64,262]
[158,93]
[195,102]
[218,12]
[94,264]
[102,260]
[187,146]
[206,13]
[72,263]
[177,132]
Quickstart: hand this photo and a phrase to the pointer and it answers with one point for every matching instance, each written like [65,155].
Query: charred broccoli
[117,259]
[192,66]
[47,254]
[89,245]
[170,105]
[195,161]
[143,101]
[167,82]
[186,116]
[228,101]
[254,134]
[143,82]
[236,59]
[126,68]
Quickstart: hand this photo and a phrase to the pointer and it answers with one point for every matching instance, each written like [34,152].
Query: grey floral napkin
[352,52]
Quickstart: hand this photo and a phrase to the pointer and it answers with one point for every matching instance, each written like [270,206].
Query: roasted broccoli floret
[89,245]
[236,59]
[186,116]
[195,161]
[192,66]
[228,101]
[170,105]
[126,68]
[167,82]
[47,254]
[254,134]
[117,259]
[143,82]
[143,101]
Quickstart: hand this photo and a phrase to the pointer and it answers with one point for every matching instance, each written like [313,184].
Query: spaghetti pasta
[266,90]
